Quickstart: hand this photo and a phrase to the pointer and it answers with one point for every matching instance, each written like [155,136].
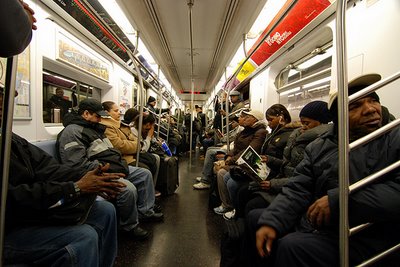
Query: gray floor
[190,234]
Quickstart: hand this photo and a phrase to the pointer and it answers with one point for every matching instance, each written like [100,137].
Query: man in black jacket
[38,184]
[83,143]
[309,203]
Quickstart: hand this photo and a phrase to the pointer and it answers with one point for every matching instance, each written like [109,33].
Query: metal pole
[5,138]
[140,102]
[190,5]
[343,131]
[160,97]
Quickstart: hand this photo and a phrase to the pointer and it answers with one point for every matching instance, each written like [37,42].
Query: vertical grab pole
[160,97]
[343,120]
[190,5]
[5,138]
[140,98]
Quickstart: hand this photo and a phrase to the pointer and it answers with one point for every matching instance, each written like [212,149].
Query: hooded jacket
[84,144]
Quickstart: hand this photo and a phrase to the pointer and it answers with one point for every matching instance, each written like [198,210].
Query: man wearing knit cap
[309,203]
[151,106]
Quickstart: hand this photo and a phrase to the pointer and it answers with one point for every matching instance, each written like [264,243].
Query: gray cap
[234,93]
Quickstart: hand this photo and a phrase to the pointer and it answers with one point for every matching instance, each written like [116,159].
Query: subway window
[306,80]
[61,95]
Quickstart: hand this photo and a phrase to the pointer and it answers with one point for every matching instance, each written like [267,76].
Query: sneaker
[157,193]
[230,215]
[221,210]
[201,157]
[198,179]
[201,186]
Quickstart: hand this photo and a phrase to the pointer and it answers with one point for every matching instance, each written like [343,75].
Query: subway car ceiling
[217,28]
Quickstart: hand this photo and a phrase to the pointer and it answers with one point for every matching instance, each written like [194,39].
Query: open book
[250,161]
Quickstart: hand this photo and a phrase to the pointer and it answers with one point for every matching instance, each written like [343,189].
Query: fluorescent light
[314,60]
[291,91]
[321,81]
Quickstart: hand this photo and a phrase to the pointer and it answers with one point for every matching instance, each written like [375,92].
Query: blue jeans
[143,181]
[209,158]
[91,244]
[127,207]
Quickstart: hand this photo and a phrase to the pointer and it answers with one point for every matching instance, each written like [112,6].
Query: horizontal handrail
[370,178]
[380,256]
[374,134]
[358,228]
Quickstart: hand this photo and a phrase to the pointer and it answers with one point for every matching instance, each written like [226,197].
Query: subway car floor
[190,234]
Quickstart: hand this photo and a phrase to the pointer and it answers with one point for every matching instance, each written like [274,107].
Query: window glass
[60,95]
[306,80]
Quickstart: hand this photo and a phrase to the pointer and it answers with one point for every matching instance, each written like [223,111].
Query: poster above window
[76,55]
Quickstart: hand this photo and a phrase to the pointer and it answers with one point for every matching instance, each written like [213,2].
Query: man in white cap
[310,201]
[253,135]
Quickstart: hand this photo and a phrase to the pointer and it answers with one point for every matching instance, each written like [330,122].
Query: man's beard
[361,131]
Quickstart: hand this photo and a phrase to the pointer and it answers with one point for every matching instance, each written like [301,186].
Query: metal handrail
[358,228]
[374,134]
[380,256]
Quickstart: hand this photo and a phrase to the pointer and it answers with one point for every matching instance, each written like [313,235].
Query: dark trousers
[294,249]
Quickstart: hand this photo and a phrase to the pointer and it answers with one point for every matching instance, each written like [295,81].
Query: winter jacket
[156,111]
[234,109]
[274,145]
[36,182]
[84,144]
[317,176]
[249,136]
[293,154]
[123,140]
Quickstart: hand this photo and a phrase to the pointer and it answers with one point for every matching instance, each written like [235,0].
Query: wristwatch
[77,189]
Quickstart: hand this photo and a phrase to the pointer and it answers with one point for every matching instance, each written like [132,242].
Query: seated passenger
[36,184]
[124,141]
[279,121]
[314,118]
[253,135]
[312,195]
[83,143]
[207,177]
[146,158]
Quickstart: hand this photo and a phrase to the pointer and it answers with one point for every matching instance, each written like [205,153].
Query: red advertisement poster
[299,16]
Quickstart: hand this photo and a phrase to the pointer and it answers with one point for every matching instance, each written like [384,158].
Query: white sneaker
[230,215]
[220,210]
[198,179]
[201,186]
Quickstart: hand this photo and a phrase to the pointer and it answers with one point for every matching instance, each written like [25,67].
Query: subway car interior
[220,92]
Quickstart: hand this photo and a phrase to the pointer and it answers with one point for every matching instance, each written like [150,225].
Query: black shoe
[157,208]
[155,217]
[138,233]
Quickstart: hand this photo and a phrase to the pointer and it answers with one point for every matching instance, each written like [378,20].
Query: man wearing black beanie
[151,103]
